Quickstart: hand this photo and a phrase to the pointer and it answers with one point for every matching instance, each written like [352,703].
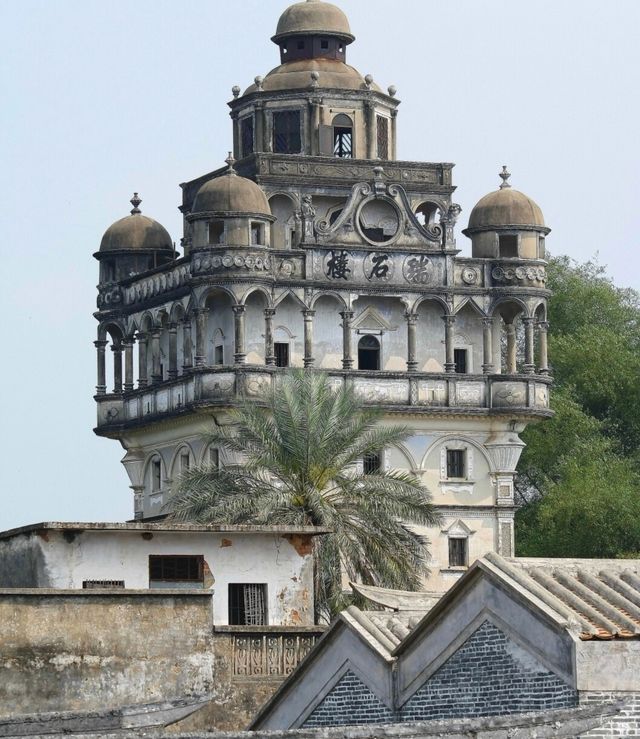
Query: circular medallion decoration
[227,261]
[249,262]
[258,262]
[378,267]
[216,262]
[238,261]
[469,276]
[379,221]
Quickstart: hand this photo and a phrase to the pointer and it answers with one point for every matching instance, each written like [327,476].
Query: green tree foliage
[578,478]
[299,466]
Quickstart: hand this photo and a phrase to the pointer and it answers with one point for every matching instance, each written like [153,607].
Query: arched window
[369,353]
[343,137]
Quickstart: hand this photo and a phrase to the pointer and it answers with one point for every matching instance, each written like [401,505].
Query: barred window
[102,584]
[457,552]
[246,135]
[247,604]
[286,132]
[383,136]
[281,350]
[156,474]
[455,462]
[460,360]
[173,569]
[372,463]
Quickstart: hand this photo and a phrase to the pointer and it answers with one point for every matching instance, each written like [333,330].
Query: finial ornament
[230,161]
[368,81]
[235,91]
[505,174]
[135,201]
[259,82]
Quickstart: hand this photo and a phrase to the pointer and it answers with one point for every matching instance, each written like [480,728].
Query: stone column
[173,351]
[449,362]
[239,355]
[187,345]
[412,362]
[487,346]
[201,328]
[308,337]
[117,368]
[543,328]
[156,370]
[529,356]
[101,387]
[128,364]
[511,349]
[347,357]
[394,130]
[269,350]
[237,145]
[142,359]
[259,123]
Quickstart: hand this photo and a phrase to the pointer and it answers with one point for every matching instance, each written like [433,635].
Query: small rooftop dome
[231,193]
[136,233]
[313,17]
[503,208]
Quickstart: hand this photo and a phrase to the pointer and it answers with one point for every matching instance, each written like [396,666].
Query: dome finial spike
[135,201]
[231,161]
[505,174]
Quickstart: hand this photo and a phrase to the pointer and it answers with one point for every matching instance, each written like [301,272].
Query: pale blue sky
[103,98]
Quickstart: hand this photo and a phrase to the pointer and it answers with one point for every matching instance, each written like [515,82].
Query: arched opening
[327,332]
[343,137]
[511,338]
[369,353]
[427,213]
[283,229]
[288,333]
[218,341]
[255,305]
[430,344]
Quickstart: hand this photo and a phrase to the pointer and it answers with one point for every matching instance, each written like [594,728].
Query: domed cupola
[507,224]
[230,210]
[132,245]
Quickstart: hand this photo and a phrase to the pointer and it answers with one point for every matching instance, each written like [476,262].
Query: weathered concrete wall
[82,651]
[64,559]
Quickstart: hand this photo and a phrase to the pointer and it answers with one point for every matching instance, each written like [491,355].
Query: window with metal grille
[343,143]
[247,604]
[281,350]
[286,132]
[246,135]
[175,568]
[460,360]
[383,137]
[372,463]
[457,552]
[102,584]
[455,462]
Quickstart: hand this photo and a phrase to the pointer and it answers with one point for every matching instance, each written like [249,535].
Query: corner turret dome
[505,208]
[136,232]
[313,17]
[231,193]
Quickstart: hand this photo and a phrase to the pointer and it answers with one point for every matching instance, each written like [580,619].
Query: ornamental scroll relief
[269,655]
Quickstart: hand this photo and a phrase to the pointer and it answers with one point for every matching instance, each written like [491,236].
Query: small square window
[508,246]
[455,463]
[458,553]
[460,360]
[218,354]
[247,604]
[281,350]
[324,44]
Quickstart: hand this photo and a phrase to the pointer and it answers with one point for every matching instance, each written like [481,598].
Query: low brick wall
[625,723]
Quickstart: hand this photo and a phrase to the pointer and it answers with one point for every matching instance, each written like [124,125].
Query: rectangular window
[246,135]
[216,232]
[218,354]
[455,462]
[457,553]
[383,137]
[169,571]
[286,132]
[372,463]
[247,604]
[343,142]
[257,234]
[156,475]
[507,246]
[214,458]
[185,462]
[102,584]
[460,359]
[281,350]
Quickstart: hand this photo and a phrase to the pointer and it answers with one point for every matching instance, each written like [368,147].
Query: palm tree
[298,465]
